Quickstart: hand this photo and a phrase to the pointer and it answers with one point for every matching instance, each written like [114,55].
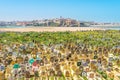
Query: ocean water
[12,26]
[112,28]
[106,28]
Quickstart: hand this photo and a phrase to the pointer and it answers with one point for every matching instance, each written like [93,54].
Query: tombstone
[2,76]
[81,68]
[111,58]
[95,57]
[57,66]
[10,54]
[111,76]
[9,49]
[67,58]
[85,64]
[84,74]
[15,72]
[56,60]
[22,71]
[9,61]
[36,73]
[88,61]
[67,74]
[100,49]
[59,55]
[93,61]
[2,67]
[52,72]
[110,64]
[61,59]
[78,63]
[95,52]
[5,56]
[38,58]
[43,73]
[77,72]
[27,74]
[59,73]
[31,61]
[91,75]
[52,59]
[99,65]
[109,69]
[26,59]
[99,60]
[6,62]
[41,63]
[31,45]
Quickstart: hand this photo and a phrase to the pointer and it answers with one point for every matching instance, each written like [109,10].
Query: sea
[12,26]
[111,28]
[106,28]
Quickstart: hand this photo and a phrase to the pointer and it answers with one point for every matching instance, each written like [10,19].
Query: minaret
[60,17]
[78,24]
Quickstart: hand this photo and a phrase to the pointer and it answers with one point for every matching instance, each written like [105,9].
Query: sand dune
[48,29]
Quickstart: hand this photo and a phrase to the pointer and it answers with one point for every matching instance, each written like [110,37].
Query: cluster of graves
[59,62]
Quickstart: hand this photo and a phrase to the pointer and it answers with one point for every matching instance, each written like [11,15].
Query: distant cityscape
[56,22]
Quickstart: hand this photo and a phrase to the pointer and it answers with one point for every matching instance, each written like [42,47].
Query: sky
[83,10]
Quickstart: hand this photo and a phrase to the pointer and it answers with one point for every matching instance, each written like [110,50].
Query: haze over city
[83,10]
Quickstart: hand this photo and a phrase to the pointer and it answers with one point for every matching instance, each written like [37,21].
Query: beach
[48,29]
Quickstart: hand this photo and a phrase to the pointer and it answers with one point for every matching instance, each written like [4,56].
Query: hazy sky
[85,10]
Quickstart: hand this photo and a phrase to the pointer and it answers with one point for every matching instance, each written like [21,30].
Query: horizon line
[58,18]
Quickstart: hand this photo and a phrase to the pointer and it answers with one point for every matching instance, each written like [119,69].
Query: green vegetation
[44,24]
[103,74]
[53,24]
[111,79]
[85,78]
[119,77]
[95,38]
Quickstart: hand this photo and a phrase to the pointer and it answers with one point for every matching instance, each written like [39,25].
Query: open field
[49,29]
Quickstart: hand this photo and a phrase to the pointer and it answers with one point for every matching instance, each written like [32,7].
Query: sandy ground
[48,29]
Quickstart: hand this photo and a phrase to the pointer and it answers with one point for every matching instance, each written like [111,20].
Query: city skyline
[83,10]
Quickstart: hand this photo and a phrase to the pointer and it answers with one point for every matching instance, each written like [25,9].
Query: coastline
[49,29]
[104,26]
